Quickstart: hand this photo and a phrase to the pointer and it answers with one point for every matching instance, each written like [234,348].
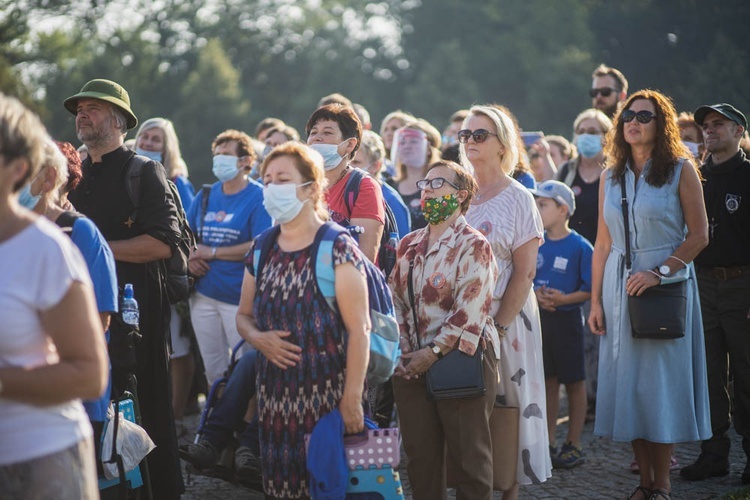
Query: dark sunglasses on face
[479,135]
[435,183]
[642,116]
[604,91]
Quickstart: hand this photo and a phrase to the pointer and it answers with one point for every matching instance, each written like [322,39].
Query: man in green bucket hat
[140,237]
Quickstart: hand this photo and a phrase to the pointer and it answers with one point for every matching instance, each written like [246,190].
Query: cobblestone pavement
[605,474]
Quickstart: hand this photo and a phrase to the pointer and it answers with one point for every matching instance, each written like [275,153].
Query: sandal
[659,493]
[646,493]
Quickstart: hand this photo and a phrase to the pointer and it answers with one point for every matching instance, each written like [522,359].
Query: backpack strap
[67,219]
[322,255]
[351,190]
[205,193]
[263,243]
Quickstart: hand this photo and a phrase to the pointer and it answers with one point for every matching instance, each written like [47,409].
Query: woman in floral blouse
[454,275]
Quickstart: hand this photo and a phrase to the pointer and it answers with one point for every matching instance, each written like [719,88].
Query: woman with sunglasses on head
[415,146]
[652,393]
[505,213]
[452,279]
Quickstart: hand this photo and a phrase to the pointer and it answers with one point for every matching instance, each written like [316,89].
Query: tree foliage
[215,65]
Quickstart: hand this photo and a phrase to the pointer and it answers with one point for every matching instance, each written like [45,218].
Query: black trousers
[725,305]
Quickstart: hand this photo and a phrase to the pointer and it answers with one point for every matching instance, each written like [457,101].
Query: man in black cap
[724,285]
[140,240]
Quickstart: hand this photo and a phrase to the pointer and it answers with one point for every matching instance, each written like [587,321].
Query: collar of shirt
[449,238]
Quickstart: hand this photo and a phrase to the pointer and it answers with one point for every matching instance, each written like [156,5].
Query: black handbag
[456,375]
[660,312]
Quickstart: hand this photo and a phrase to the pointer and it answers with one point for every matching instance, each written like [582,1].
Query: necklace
[343,173]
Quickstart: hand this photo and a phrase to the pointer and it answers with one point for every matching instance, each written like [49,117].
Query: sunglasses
[604,91]
[479,135]
[435,183]
[642,116]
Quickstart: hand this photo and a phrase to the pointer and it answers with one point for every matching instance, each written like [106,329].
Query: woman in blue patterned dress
[652,393]
[312,360]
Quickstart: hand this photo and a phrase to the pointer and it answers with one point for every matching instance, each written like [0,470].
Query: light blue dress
[649,389]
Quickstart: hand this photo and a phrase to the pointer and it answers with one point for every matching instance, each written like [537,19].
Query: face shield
[410,147]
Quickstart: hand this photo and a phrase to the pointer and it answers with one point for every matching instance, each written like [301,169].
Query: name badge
[561,263]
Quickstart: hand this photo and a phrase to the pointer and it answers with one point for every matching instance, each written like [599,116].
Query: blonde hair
[54,159]
[22,136]
[603,120]
[171,154]
[434,141]
[506,134]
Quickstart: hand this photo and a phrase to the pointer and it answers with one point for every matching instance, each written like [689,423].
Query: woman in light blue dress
[652,393]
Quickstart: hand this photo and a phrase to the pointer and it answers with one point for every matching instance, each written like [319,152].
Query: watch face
[435,349]
[664,270]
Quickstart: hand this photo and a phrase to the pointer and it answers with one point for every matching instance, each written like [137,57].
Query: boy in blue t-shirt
[562,285]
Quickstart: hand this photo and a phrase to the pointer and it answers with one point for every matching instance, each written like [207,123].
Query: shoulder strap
[351,190]
[570,175]
[322,257]
[133,169]
[206,193]
[67,219]
[410,285]
[625,220]
[263,243]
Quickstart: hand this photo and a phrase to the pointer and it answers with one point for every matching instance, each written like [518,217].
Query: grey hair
[120,118]
[54,159]
[373,145]
[506,134]
[171,156]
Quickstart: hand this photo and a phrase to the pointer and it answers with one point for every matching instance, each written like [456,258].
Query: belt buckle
[721,273]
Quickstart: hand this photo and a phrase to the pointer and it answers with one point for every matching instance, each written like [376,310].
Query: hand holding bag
[660,312]
[456,375]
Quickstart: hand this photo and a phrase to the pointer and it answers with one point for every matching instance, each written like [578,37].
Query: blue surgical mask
[589,145]
[330,154]
[151,155]
[225,167]
[26,199]
[281,202]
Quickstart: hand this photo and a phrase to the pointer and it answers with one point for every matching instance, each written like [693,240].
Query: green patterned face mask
[437,210]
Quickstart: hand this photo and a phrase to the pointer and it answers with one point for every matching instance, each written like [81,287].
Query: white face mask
[693,147]
[281,202]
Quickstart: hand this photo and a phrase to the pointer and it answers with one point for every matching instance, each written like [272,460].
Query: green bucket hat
[106,90]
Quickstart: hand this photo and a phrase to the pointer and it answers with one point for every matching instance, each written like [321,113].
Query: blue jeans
[232,406]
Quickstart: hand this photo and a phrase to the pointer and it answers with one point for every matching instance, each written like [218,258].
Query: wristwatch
[664,270]
[435,349]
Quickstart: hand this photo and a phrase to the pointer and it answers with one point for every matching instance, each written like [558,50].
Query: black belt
[726,273]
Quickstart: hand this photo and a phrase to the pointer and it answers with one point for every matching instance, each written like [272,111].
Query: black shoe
[746,473]
[202,455]
[708,465]
[247,466]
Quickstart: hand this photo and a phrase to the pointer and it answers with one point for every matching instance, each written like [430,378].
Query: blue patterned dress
[649,389]
[291,401]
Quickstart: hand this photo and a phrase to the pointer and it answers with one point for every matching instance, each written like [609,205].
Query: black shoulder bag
[456,375]
[660,312]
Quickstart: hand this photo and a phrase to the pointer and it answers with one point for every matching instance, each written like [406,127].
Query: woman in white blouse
[52,352]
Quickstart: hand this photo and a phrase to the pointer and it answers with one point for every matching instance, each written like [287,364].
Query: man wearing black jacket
[724,285]
[140,241]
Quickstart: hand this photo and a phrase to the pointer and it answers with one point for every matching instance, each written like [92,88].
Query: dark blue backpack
[384,346]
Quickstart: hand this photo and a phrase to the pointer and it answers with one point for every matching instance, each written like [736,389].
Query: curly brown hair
[668,148]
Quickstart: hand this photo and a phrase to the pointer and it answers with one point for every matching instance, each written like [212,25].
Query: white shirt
[37,268]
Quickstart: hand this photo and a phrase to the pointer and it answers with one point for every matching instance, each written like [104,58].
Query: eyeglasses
[642,116]
[604,91]
[435,183]
[479,135]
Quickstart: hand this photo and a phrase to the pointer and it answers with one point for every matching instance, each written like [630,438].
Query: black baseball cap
[724,109]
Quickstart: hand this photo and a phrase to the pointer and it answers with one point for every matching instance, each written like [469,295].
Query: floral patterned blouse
[453,284]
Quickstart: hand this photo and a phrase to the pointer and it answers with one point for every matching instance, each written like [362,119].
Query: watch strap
[435,349]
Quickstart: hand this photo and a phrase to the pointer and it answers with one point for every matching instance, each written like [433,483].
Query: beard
[93,135]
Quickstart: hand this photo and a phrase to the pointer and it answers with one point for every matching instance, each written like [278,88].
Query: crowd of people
[519,248]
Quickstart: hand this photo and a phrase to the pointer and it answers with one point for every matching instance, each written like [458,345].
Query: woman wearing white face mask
[312,359]
[335,132]
[233,216]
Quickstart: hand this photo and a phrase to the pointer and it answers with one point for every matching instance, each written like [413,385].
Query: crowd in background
[514,243]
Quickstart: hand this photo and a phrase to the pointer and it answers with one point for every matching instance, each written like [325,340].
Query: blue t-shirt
[186,190]
[565,265]
[398,207]
[101,265]
[230,220]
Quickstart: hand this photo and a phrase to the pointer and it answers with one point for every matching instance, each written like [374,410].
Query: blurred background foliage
[215,64]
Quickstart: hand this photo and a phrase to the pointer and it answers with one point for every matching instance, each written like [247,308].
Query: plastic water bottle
[390,252]
[129,308]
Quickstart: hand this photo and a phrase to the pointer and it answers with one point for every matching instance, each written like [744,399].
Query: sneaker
[247,465]
[746,473]
[707,465]
[570,456]
[202,455]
